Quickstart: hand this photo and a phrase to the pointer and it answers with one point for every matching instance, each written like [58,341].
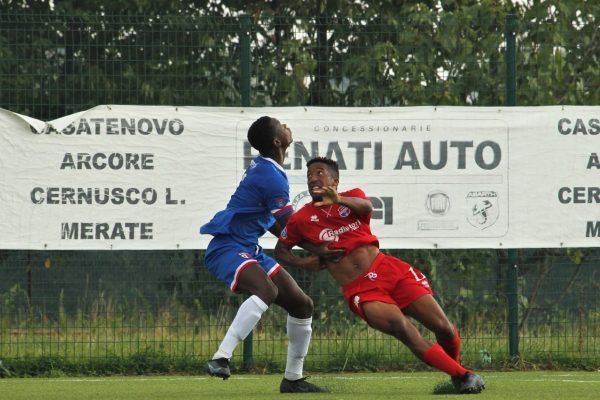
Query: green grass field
[376,386]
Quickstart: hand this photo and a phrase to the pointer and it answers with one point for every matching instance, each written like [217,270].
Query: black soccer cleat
[469,383]
[456,381]
[219,367]
[300,386]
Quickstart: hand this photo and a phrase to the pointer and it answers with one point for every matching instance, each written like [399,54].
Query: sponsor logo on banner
[437,204]
[301,199]
[482,208]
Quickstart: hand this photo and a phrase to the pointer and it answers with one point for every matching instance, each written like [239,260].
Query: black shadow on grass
[444,388]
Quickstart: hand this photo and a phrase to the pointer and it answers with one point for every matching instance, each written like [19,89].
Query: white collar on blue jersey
[273,161]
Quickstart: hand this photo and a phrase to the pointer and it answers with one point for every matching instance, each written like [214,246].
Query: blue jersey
[262,196]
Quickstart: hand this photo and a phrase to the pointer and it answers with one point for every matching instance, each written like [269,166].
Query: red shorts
[388,280]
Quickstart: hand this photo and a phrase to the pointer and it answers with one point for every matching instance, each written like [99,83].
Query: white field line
[556,380]
[127,379]
[544,378]
[190,378]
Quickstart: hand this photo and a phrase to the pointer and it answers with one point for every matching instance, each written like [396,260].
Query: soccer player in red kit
[380,289]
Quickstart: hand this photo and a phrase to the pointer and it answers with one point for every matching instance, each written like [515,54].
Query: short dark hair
[333,165]
[261,134]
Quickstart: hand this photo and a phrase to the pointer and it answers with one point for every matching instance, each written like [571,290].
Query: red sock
[452,347]
[437,358]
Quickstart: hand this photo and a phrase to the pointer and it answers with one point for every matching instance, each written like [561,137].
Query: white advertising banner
[139,177]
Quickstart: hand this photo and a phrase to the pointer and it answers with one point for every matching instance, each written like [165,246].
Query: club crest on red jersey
[343,211]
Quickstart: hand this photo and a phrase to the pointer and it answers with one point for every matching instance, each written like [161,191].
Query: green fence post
[513,304]
[245,98]
[246,24]
[513,270]
[511,56]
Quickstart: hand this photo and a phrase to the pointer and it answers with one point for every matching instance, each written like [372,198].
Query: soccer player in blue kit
[261,202]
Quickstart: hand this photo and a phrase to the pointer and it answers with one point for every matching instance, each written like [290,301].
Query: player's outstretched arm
[329,195]
[323,251]
[279,224]
[320,251]
[284,255]
[357,205]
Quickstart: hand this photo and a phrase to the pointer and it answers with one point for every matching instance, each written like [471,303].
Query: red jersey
[335,224]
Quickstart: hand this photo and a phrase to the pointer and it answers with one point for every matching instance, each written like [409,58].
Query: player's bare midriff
[353,265]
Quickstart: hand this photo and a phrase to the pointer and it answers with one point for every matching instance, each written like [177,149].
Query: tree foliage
[76,54]
[61,57]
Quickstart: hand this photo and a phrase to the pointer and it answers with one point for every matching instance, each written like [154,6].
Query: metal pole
[246,23]
[513,269]
[511,56]
[513,304]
